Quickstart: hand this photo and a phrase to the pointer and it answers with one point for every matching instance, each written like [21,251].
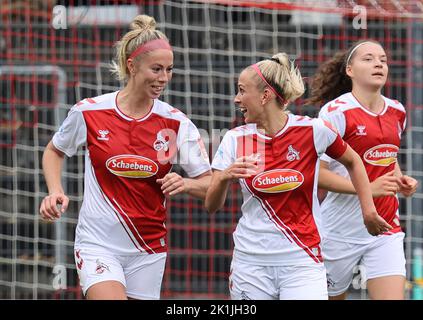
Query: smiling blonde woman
[275,158]
[132,141]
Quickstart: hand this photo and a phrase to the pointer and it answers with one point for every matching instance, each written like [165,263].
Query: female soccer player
[349,86]
[132,140]
[275,158]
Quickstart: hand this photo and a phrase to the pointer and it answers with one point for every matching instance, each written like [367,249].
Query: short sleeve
[328,140]
[193,156]
[336,117]
[225,154]
[71,134]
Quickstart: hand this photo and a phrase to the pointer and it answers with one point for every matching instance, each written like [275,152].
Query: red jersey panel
[124,207]
[278,224]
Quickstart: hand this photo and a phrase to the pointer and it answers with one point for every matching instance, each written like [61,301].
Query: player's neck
[371,100]
[273,123]
[133,104]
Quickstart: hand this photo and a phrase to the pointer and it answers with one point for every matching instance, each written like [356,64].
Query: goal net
[55,53]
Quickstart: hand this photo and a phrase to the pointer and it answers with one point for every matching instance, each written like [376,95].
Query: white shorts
[251,282]
[382,257]
[141,274]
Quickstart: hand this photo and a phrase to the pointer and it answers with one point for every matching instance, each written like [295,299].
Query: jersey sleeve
[193,156]
[402,122]
[225,154]
[336,117]
[71,134]
[328,140]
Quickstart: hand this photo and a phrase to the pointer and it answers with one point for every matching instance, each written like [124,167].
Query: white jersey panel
[99,225]
[226,153]
[71,134]
[323,136]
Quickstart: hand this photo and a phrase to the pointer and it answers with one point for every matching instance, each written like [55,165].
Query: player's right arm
[52,167]
[243,167]
[385,185]
[227,167]
[71,134]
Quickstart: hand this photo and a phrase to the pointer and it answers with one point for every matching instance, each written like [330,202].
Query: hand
[242,168]
[49,209]
[407,186]
[172,184]
[386,185]
[375,224]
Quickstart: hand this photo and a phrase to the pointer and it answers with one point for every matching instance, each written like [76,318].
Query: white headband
[355,48]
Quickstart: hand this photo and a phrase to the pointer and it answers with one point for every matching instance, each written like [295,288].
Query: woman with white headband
[349,86]
[132,140]
[275,158]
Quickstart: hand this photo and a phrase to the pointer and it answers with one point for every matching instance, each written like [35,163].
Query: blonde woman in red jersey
[275,158]
[132,140]
[349,88]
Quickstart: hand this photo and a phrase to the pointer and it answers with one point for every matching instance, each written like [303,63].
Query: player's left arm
[407,185]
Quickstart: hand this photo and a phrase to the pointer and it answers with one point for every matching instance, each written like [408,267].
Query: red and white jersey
[124,208]
[277,226]
[376,138]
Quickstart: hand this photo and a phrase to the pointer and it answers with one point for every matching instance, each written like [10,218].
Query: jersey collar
[279,133]
[128,118]
[373,114]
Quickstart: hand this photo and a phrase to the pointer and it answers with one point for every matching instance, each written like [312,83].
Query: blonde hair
[143,29]
[283,76]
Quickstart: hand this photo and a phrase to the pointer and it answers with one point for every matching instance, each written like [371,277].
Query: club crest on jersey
[381,155]
[292,154]
[278,180]
[361,130]
[103,135]
[160,143]
[132,166]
